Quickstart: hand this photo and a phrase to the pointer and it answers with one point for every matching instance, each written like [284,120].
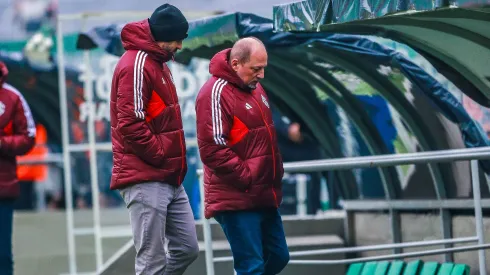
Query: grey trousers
[164,231]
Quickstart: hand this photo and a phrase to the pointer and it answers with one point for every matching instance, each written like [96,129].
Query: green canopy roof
[455,39]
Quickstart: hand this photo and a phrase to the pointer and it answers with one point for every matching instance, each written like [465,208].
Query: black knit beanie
[167,23]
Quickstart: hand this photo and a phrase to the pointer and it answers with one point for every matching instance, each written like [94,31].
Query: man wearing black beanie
[148,144]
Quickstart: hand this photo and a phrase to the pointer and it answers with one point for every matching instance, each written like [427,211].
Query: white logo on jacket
[171,77]
[265,101]
[248,106]
[2,108]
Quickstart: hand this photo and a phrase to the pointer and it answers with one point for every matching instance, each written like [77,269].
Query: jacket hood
[137,36]
[3,73]
[219,66]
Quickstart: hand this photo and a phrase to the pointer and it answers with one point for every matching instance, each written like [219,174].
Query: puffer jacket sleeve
[214,111]
[24,131]
[133,94]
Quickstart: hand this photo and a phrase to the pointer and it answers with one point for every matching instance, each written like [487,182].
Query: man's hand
[294,132]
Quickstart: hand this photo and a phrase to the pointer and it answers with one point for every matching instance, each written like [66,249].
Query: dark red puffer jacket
[17,134]
[237,143]
[147,136]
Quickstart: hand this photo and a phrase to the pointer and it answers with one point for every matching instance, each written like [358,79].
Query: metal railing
[472,155]
[49,159]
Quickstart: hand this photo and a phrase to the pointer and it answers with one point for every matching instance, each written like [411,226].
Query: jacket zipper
[272,147]
[180,135]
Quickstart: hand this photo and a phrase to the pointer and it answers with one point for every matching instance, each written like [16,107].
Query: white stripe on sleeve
[31,126]
[213,111]
[140,91]
[135,84]
[216,111]
[220,125]
[138,79]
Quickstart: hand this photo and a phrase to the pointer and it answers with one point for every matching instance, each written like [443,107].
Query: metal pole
[206,227]
[447,231]
[301,182]
[388,160]
[396,229]
[392,257]
[41,195]
[426,204]
[475,180]
[94,179]
[367,248]
[66,152]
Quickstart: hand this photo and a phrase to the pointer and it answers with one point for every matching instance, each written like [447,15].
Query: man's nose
[261,75]
[179,46]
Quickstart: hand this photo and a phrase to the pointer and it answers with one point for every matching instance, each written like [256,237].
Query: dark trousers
[27,198]
[313,200]
[6,224]
[257,241]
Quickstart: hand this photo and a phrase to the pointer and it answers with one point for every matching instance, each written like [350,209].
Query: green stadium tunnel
[396,106]
[412,110]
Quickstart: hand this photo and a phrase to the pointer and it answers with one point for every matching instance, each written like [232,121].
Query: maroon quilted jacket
[17,134]
[237,143]
[147,136]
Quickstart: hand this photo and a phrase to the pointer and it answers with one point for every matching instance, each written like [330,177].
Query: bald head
[245,47]
[248,58]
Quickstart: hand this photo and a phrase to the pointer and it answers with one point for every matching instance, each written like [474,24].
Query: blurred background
[346,91]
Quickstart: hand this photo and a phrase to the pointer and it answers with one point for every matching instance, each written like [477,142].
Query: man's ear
[234,64]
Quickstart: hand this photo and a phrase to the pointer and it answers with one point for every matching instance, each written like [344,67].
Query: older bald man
[242,164]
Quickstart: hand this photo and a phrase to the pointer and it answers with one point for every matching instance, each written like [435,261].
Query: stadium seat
[396,268]
[460,269]
[416,267]
[355,269]
[382,268]
[369,268]
[413,267]
[430,268]
[446,269]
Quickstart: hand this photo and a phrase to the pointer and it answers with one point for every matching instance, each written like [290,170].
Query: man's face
[251,72]
[170,47]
